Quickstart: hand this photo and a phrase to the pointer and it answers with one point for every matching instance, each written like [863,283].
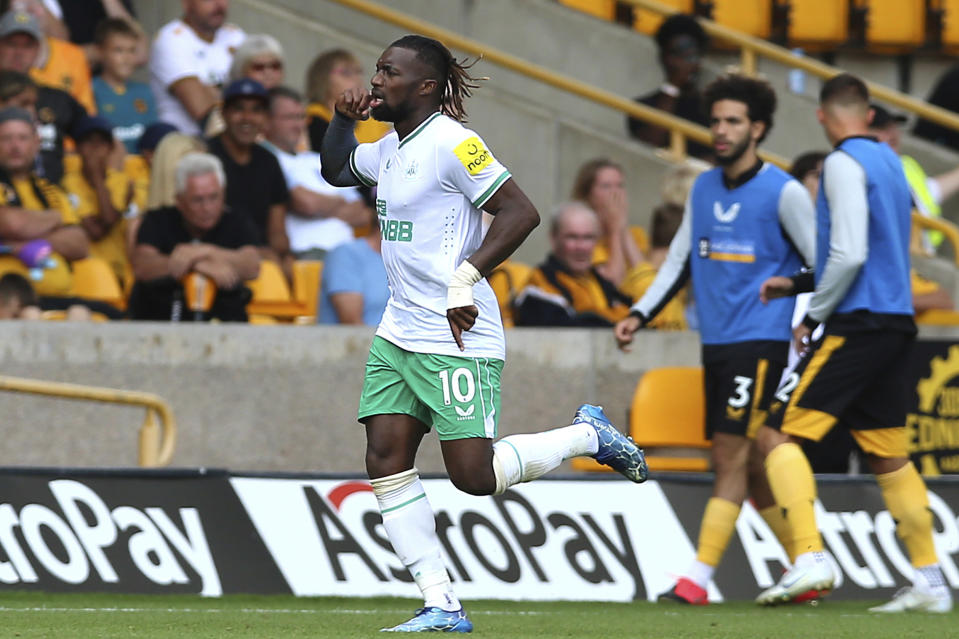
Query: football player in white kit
[436,359]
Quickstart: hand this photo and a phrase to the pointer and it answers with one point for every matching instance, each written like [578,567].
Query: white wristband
[459,292]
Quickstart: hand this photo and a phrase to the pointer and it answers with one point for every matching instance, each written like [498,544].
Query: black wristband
[643,320]
[803,282]
[810,323]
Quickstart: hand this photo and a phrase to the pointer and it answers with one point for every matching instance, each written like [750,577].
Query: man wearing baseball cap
[255,184]
[49,61]
[928,193]
[105,198]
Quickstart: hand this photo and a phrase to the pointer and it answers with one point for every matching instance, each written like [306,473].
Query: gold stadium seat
[648,22]
[270,285]
[950,22]
[605,9]
[93,279]
[667,420]
[817,24]
[894,25]
[507,280]
[307,275]
[752,17]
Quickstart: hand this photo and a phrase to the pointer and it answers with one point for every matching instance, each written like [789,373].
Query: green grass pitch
[102,616]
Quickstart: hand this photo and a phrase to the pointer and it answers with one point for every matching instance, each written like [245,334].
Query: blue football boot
[434,619]
[616,450]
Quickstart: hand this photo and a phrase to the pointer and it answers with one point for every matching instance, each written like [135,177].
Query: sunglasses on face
[275,65]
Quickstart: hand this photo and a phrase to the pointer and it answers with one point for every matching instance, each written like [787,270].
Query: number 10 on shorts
[454,385]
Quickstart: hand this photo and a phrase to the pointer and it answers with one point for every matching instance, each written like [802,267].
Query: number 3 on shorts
[460,385]
[741,398]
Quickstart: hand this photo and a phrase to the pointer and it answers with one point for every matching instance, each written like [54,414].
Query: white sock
[931,579]
[700,574]
[411,527]
[522,458]
[807,558]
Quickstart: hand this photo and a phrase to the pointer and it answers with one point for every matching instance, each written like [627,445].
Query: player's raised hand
[354,103]
[624,330]
[461,319]
[775,287]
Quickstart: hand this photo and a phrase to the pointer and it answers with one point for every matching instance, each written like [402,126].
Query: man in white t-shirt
[320,215]
[189,62]
[439,349]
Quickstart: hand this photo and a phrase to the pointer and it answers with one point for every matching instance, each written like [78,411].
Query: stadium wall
[283,398]
[213,533]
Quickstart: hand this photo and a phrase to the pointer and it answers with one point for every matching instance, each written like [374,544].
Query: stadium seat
[270,285]
[93,279]
[666,420]
[648,22]
[752,17]
[306,284]
[507,281]
[950,23]
[605,9]
[667,417]
[817,24]
[894,25]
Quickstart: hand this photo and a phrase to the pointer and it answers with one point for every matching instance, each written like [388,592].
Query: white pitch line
[284,611]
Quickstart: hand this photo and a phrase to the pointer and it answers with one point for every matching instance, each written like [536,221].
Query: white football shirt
[177,53]
[430,189]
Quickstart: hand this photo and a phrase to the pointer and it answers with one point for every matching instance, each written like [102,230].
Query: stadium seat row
[881,26]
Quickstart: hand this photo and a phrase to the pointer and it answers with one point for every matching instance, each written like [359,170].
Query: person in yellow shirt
[665,223]
[331,73]
[49,61]
[34,209]
[566,290]
[104,197]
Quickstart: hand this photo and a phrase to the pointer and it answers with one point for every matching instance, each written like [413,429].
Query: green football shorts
[459,396]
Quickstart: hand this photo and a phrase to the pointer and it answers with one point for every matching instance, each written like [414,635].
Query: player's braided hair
[452,75]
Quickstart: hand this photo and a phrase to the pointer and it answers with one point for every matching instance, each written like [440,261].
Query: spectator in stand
[55,113]
[49,61]
[665,223]
[189,62]
[105,197]
[682,43]
[928,192]
[47,12]
[127,104]
[600,185]
[169,152]
[331,74]
[81,17]
[18,300]
[150,140]
[259,58]
[944,94]
[354,288]
[199,235]
[40,225]
[255,184]
[566,290]
[807,168]
[321,216]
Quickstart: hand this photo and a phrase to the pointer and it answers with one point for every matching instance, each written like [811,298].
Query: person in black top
[55,111]
[682,42]
[198,235]
[255,185]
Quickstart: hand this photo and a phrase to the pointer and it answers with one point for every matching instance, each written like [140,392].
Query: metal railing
[752,48]
[156,443]
[680,130]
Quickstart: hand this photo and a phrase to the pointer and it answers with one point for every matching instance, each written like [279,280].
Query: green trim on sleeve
[356,172]
[488,193]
